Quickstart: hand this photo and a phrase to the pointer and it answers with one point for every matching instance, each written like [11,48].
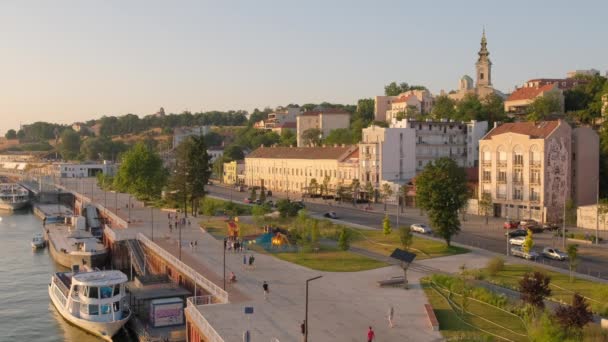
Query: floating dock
[54,213]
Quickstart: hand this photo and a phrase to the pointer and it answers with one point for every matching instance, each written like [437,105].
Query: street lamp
[306,311]
[152,221]
[225,242]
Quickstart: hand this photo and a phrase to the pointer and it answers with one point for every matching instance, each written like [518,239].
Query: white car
[517,241]
[554,253]
[519,252]
[420,228]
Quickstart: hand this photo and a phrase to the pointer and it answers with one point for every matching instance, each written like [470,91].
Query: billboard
[166,312]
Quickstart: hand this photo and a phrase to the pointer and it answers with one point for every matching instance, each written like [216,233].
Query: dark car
[550,226]
[517,232]
[535,228]
[300,204]
[270,203]
[331,215]
[258,201]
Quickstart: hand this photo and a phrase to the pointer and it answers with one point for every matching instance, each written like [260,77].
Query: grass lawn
[478,315]
[331,260]
[376,241]
[561,289]
[218,227]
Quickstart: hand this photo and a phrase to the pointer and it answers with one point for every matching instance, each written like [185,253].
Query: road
[593,260]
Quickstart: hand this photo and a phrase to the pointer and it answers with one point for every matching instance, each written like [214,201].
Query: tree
[313,187]
[370,191]
[469,108]
[444,108]
[253,195]
[528,242]
[192,170]
[406,237]
[572,318]
[314,233]
[287,208]
[543,106]
[441,191]
[386,225]
[486,205]
[387,192]
[213,139]
[70,144]
[141,173]
[492,109]
[572,252]
[344,239]
[288,138]
[570,212]
[263,195]
[392,89]
[355,186]
[233,152]
[339,136]
[534,287]
[312,137]
[11,134]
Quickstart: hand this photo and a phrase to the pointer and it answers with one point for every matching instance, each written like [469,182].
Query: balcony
[501,181]
[486,163]
[487,180]
[534,199]
[518,180]
[535,181]
[535,163]
[501,196]
[501,163]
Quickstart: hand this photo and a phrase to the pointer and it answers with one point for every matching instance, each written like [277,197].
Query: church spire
[484,65]
[483,51]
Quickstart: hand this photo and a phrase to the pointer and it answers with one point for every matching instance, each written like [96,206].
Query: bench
[394,281]
[432,318]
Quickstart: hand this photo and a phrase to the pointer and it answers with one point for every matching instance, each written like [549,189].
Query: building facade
[388,107]
[234,172]
[324,120]
[518,102]
[75,170]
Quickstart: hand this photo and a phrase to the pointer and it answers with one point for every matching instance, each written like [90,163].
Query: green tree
[570,212]
[441,191]
[141,173]
[263,195]
[469,108]
[233,152]
[11,134]
[339,136]
[486,205]
[355,187]
[325,186]
[387,192]
[492,108]
[406,237]
[572,252]
[314,233]
[313,186]
[386,225]
[544,106]
[287,208]
[394,89]
[528,242]
[70,144]
[344,239]
[288,138]
[253,195]
[370,191]
[196,161]
[444,108]
[312,137]
[534,288]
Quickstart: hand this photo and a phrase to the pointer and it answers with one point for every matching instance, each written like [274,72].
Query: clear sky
[66,61]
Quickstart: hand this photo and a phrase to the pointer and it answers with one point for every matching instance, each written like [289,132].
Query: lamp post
[225,242]
[129,208]
[306,311]
[152,221]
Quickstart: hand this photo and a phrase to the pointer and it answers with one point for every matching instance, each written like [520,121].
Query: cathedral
[483,84]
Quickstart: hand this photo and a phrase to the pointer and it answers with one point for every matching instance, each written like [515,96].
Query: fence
[216,291]
[202,324]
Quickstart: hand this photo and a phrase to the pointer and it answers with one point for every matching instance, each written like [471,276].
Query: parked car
[554,253]
[331,215]
[247,200]
[550,226]
[420,228]
[517,232]
[510,224]
[300,204]
[519,252]
[517,241]
[270,203]
[258,201]
[535,228]
[526,223]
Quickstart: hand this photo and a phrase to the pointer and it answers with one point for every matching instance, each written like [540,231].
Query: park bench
[394,281]
[432,318]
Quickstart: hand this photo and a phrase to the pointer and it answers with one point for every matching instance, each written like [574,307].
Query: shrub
[495,265]
[344,239]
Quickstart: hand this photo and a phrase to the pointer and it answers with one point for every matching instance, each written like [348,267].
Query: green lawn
[562,289]
[376,241]
[478,316]
[218,228]
[331,260]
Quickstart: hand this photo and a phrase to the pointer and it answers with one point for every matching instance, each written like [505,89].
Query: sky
[66,61]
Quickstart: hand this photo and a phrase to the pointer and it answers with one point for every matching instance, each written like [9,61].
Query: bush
[344,239]
[495,265]
[287,208]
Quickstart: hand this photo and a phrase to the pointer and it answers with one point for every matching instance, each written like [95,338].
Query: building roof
[325,112]
[528,93]
[328,152]
[539,130]
[404,98]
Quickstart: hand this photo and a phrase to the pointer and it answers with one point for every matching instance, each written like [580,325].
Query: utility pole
[306,310]
[597,214]
[152,221]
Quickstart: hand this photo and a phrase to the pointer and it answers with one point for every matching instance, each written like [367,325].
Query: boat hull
[104,330]
[37,245]
[67,259]
[13,205]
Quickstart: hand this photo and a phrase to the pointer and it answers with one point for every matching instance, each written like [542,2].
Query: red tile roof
[540,130]
[403,98]
[528,93]
[329,152]
[325,112]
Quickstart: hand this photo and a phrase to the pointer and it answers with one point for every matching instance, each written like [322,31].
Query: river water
[26,312]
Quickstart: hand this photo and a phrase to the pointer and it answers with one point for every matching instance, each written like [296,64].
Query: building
[234,172]
[215,152]
[562,83]
[290,169]
[605,104]
[181,133]
[324,120]
[284,127]
[585,72]
[531,169]
[518,102]
[483,70]
[279,117]
[388,107]
[74,170]
[81,127]
[445,138]
[387,155]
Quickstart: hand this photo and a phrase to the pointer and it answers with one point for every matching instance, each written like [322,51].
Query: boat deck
[65,240]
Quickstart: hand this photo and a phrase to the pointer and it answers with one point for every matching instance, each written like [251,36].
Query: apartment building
[290,169]
[324,120]
[388,107]
[437,139]
[518,102]
[279,117]
[234,172]
[531,169]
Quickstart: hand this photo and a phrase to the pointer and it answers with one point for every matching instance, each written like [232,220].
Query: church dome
[466,83]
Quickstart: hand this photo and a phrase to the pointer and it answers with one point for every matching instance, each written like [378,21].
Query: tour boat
[38,241]
[94,301]
[13,196]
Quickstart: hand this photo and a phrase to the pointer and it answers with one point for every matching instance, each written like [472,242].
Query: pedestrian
[195,244]
[266,290]
[191,245]
[225,243]
[391,314]
[251,260]
[244,261]
[188,222]
[169,216]
[170,228]
[371,335]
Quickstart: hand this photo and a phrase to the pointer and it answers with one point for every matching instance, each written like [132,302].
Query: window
[106,292]
[481,75]
[487,176]
[106,309]
[517,194]
[84,308]
[518,159]
[93,309]
[518,176]
[502,176]
[116,306]
[93,292]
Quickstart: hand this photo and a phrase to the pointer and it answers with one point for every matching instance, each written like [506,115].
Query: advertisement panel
[166,312]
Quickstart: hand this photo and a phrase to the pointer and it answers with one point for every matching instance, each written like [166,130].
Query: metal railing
[203,300]
[205,283]
[202,324]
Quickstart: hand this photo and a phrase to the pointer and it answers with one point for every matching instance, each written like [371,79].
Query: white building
[181,133]
[75,170]
[437,139]
[387,107]
[215,153]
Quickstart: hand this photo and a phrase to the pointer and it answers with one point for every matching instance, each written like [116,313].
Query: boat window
[117,306]
[85,291]
[116,290]
[106,309]
[106,292]
[76,288]
[93,292]
[93,309]
[84,308]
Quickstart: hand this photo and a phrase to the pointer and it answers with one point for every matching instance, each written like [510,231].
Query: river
[26,312]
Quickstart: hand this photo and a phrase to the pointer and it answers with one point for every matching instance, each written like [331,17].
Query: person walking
[391,314]
[244,261]
[195,244]
[266,290]
[371,335]
[251,260]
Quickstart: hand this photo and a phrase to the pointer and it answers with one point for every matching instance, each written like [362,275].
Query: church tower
[483,65]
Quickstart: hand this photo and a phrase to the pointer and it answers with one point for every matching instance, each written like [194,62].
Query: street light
[225,242]
[306,311]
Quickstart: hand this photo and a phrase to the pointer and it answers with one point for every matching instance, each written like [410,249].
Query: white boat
[38,241]
[94,301]
[13,196]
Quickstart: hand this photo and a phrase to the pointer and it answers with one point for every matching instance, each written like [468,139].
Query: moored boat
[94,301]
[73,245]
[38,241]
[13,196]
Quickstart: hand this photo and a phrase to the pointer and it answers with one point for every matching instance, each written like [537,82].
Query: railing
[534,180]
[205,283]
[486,163]
[487,180]
[502,163]
[535,163]
[501,196]
[202,324]
[501,181]
[203,300]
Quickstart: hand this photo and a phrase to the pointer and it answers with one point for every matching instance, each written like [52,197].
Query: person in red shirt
[370,335]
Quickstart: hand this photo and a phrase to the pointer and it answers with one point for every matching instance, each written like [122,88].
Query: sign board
[166,312]
[402,255]
[248,310]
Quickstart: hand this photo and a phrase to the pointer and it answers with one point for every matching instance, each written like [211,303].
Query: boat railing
[202,324]
[64,289]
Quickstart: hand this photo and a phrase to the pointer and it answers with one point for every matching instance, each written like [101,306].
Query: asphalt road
[474,232]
